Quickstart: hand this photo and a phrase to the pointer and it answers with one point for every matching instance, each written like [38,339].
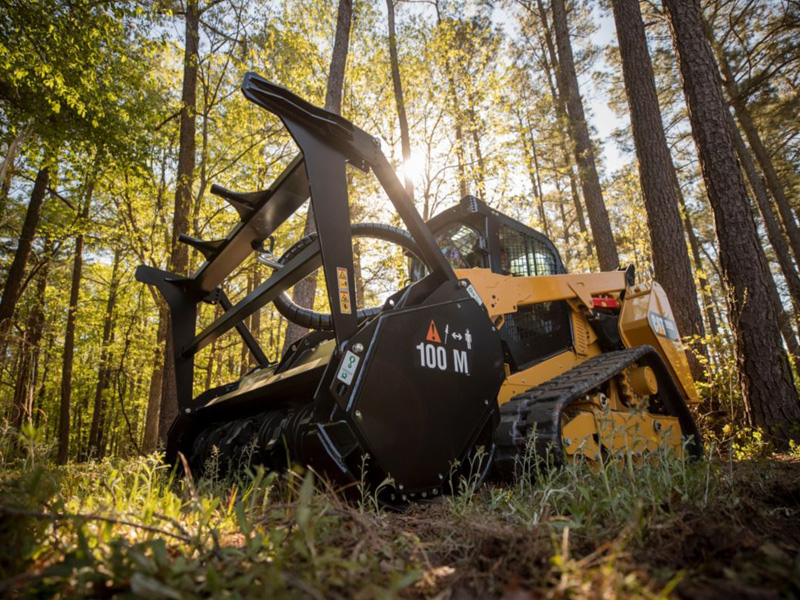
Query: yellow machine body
[611,420]
[643,308]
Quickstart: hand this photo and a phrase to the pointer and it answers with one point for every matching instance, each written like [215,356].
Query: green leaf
[144,585]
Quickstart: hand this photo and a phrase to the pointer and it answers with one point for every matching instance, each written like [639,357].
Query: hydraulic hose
[311,319]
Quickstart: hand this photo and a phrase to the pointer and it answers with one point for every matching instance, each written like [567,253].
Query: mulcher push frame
[327,144]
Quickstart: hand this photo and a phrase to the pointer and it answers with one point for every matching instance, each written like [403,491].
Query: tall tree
[584,152]
[771,225]
[397,84]
[153,413]
[69,335]
[96,429]
[694,244]
[670,256]
[738,99]
[29,348]
[14,279]
[305,290]
[179,255]
[559,98]
[764,373]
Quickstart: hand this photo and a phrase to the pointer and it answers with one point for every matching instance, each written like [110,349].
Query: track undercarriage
[597,409]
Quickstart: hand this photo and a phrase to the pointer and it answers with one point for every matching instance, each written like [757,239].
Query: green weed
[132,527]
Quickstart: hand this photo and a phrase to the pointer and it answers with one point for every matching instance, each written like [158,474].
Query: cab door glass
[461,246]
[524,256]
[536,331]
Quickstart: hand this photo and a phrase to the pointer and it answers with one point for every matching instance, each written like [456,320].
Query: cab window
[461,246]
[524,256]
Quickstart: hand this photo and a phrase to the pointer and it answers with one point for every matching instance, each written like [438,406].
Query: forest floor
[718,528]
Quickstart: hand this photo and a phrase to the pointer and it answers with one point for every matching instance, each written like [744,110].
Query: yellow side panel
[647,318]
[503,294]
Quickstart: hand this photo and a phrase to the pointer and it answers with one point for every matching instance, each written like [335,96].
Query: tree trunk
[774,184]
[561,111]
[785,325]
[584,153]
[104,371]
[405,138]
[7,166]
[532,160]
[179,257]
[480,179]
[358,275]
[764,372]
[771,225]
[245,358]
[212,350]
[565,226]
[25,387]
[255,319]
[11,291]
[151,422]
[69,336]
[673,268]
[539,194]
[306,289]
[694,244]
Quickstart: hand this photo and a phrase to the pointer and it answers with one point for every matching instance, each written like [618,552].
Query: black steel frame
[327,143]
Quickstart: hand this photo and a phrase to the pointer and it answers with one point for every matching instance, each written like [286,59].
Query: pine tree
[584,153]
[764,373]
[670,255]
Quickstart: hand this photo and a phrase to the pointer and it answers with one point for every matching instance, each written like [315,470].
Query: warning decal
[433,334]
[341,275]
[344,291]
[344,302]
[440,354]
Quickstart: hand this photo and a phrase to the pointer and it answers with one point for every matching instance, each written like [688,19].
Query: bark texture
[397,84]
[65,406]
[776,188]
[11,290]
[305,290]
[584,153]
[179,257]
[764,372]
[670,255]
[96,429]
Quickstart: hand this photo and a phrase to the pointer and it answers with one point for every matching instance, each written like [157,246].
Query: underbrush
[121,527]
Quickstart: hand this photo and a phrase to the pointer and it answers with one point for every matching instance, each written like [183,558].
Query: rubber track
[539,409]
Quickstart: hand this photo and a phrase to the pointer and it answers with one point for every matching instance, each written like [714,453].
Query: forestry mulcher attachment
[491,353]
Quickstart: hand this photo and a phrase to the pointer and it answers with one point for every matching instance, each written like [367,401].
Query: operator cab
[473,235]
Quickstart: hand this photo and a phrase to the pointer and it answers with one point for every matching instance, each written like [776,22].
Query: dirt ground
[748,548]
[719,529]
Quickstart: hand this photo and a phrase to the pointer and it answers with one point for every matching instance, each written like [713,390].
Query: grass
[718,527]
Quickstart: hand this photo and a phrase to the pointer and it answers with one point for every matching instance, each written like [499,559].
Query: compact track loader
[491,354]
